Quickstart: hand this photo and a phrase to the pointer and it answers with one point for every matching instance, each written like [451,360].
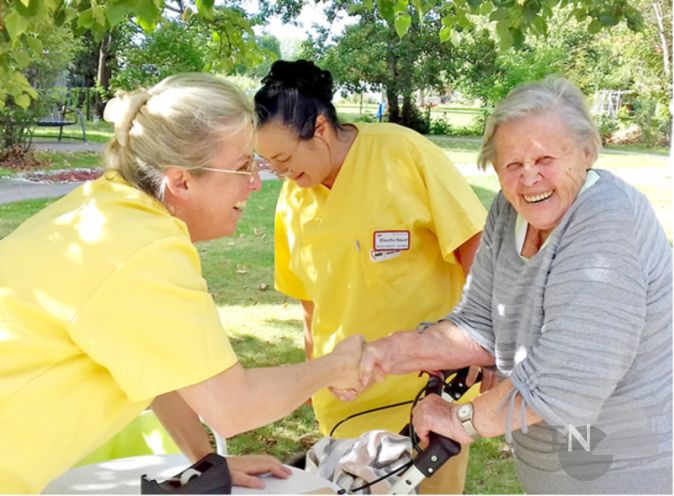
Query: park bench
[62,115]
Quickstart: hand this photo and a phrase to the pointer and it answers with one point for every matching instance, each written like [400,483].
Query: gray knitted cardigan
[584,332]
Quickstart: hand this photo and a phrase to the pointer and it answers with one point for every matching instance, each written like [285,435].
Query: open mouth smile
[538,198]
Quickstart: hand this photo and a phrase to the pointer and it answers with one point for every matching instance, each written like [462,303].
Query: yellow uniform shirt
[376,255]
[102,308]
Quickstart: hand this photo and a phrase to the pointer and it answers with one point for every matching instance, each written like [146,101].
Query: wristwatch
[465,415]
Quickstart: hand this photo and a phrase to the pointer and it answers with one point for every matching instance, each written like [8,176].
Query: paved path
[12,190]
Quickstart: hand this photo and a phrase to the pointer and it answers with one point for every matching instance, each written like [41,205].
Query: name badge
[391,240]
[381,255]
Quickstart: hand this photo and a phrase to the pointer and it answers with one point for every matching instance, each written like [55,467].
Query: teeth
[240,205]
[537,198]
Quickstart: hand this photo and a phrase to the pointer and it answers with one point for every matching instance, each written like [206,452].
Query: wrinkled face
[541,168]
[219,198]
[307,162]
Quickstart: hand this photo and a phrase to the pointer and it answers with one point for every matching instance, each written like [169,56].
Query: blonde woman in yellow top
[103,308]
[375,228]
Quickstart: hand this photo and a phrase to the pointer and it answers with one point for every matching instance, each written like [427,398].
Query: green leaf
[21,56]
[115,12]
[449,21]
[518,37]
[474,4]
[608,20]
[86,19]
[147,13]
[34,44]
[504,35]
[368,3]
[456,38]
[485,8]
[23,101]
[499,15]
[16,25]
[594,27]
[445,33]
[402,24]
[99,16]
[463,21]
[386,9]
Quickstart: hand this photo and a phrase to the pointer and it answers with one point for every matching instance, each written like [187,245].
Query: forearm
[491,413]
[308,315]
[239,399]
[183,425]
[441,346]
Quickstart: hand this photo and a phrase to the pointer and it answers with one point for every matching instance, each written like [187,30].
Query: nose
[530,174]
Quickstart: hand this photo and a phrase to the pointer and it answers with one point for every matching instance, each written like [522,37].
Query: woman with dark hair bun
[374,229]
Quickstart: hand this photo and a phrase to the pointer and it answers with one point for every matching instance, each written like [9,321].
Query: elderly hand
[433,414]
[374,363]
[244,469]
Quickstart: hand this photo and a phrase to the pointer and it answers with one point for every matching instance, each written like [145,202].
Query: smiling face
[541,168]
[307,162]
[211,202]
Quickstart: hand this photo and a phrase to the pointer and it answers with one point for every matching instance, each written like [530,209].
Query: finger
[472,375]
[378,374]
[279,470]
[367,363]
[244,480]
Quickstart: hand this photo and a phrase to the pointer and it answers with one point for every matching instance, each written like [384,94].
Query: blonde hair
[181,121]
[553,94]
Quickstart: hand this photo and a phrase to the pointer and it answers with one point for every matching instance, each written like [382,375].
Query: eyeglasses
[251,170]
[264,165]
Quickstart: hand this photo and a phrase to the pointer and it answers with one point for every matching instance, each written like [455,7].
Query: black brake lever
[457,387]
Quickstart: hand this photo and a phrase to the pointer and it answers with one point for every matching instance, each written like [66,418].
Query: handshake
[361,365]
[440,347]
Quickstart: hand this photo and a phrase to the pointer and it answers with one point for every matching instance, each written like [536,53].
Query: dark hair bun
[303,75]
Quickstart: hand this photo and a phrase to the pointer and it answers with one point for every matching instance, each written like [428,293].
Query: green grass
[70,160]
[266,327]
[98,131]
[13,214]
[457,116]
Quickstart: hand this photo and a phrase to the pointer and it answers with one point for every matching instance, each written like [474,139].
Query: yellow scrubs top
[376,255]
[102,308]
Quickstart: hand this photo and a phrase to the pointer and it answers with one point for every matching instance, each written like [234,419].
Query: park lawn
[266,327]
[97,131]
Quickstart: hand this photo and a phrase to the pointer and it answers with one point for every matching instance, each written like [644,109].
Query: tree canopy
[231,26]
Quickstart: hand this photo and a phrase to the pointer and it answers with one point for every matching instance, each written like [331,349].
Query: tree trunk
[103,75]
[392,86]
[664,42]
[392,102]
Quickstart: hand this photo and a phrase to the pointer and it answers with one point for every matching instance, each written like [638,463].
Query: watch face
[464,412]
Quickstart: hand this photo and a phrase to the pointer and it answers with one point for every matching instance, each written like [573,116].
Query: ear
[322,126]
[177,185]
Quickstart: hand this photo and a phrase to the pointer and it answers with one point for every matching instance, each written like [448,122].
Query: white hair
[554,95]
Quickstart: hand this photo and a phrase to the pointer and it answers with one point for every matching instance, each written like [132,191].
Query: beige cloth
[351,463]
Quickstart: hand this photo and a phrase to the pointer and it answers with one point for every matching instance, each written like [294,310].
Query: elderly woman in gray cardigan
[569,300]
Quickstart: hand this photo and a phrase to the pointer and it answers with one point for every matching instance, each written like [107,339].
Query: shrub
[440,127]
[606,127]
[365,118]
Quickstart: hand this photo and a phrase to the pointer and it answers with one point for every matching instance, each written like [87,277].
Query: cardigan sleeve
[473,314]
